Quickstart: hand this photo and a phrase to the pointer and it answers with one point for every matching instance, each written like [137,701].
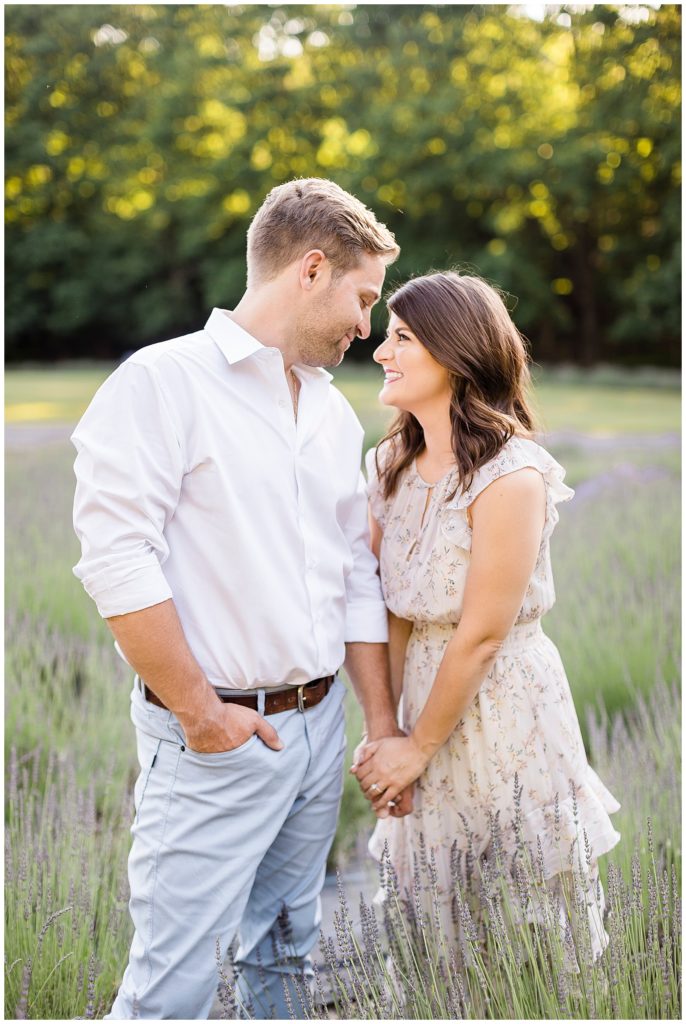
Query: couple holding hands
[239,559]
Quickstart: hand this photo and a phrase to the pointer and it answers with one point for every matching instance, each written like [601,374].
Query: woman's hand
[386,767]
[398,807]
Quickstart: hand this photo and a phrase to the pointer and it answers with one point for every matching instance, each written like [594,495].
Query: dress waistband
[526,634]
[521,636]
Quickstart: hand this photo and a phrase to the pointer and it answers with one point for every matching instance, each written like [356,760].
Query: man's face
[337,315]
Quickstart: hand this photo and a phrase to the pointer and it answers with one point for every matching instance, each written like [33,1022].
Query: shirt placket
[306,516]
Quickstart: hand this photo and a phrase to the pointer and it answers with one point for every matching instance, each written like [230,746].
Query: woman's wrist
[424,744]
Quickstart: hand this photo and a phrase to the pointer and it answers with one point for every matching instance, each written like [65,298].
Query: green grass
[616,622]
[600,403]
[58,394]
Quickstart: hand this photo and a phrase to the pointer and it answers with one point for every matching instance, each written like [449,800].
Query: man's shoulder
[185,347]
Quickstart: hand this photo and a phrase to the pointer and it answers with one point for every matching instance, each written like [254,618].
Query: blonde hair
[313,213]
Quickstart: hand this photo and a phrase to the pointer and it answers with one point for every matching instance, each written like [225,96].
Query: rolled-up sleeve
[129,470]
[366,616]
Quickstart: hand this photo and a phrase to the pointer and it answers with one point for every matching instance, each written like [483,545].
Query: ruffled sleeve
[377,502]
[518,453]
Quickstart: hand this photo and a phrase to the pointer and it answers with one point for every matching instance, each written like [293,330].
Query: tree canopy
[543,154]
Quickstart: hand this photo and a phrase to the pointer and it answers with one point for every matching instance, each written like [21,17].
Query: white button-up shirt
[194,482]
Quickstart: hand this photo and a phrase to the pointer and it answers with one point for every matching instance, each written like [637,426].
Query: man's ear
[313,267]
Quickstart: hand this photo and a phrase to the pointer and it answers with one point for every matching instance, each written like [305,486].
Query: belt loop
[260,702]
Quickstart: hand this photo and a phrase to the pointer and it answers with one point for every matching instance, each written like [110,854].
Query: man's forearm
[398,635]
[154,644]
[367,669]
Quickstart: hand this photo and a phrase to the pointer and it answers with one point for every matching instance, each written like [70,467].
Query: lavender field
[70,768]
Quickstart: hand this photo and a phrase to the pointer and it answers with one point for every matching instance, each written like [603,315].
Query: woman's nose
[381,353]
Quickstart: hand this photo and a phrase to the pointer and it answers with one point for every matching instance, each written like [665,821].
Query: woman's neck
[438,446]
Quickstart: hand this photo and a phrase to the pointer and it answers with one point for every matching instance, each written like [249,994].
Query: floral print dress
[513,774]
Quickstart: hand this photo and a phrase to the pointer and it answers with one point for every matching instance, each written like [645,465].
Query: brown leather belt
[301,697]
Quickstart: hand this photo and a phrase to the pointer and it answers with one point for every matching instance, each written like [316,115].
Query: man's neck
[261,314]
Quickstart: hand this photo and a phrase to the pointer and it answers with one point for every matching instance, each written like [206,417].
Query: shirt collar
[237,344]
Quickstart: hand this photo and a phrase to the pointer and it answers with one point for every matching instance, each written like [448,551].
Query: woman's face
[413,379]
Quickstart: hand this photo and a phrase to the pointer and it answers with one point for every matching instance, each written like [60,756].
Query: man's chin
[337,355]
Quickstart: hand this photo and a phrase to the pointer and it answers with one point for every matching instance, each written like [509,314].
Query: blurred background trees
[541,151]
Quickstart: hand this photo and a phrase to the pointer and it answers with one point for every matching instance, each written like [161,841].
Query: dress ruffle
[518,453]
[576,831]
[557,845]
[377,503]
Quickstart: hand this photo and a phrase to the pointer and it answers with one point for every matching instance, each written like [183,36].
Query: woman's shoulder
[379,458]
[517,453]
[375,462]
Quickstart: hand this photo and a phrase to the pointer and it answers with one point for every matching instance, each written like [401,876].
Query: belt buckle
[301,697]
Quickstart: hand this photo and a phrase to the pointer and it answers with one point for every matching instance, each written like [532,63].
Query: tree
[544,154]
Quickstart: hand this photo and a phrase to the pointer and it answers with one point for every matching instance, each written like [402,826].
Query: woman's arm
[508,518]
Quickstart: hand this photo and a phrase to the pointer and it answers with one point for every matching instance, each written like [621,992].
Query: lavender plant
[66,925]
[512,960]
[71,767]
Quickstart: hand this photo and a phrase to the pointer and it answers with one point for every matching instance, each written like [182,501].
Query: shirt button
[312,563]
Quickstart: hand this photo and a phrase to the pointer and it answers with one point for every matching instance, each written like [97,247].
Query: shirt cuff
[366,622]
[118,590]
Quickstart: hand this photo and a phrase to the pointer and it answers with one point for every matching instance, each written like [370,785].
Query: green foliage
[141,139]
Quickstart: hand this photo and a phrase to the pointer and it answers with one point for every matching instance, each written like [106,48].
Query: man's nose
[364,327]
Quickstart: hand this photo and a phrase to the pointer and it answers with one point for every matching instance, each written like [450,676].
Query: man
[222,517]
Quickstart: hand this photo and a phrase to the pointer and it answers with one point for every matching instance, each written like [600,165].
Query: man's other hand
[226,727]
[403,804]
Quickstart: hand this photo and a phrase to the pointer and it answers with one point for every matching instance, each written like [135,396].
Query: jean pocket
[220,757]
[148,751]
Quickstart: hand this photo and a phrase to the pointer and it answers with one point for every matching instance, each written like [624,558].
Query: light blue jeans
[222,843]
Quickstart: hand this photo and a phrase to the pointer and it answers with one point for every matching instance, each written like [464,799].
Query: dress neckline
[424,483]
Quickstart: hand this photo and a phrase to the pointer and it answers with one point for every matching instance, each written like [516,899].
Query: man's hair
[313,213]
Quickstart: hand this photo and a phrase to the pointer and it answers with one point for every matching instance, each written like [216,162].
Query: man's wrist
[381,727]
[199,704]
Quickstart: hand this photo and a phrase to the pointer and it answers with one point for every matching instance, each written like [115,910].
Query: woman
[462,504]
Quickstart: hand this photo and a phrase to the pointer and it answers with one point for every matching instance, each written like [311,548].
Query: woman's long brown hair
[463,322]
